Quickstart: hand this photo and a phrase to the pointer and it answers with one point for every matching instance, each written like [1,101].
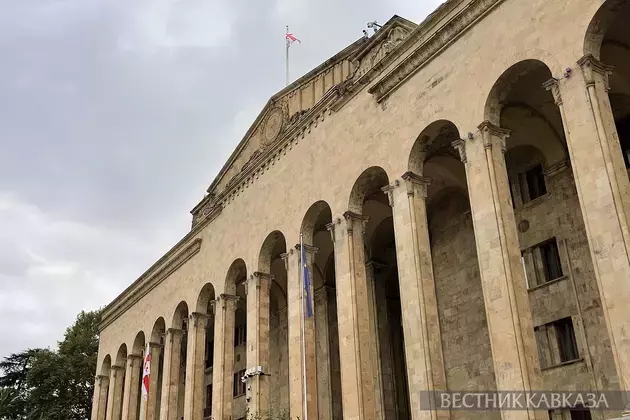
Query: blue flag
[306,277]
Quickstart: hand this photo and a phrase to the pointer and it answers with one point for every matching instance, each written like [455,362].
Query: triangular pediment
[289,107]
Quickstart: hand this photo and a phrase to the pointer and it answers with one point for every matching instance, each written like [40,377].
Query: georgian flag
[146,373]
[291,39]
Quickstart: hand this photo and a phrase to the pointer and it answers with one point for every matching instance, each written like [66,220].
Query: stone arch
[121,356]
[270,262]
[502,88]
[316,218]
[603,20]
[273,244]
[158,330]
[435,138]
[367,184]
[106,365]
[180,316]
[205,298]
[236,273]
[138,343]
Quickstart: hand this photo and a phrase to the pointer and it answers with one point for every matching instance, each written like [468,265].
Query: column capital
[591,66]
[226,299]
[285,257]
[353,218]
[117,368]
[154,345]
[257,278]
[102,378]
[491,133]
[310,250]
[173,333]
[553,85]
[198,317]
[331,227]
[134,357]
[460,146]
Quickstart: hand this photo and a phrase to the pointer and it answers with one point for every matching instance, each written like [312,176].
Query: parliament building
[457,191]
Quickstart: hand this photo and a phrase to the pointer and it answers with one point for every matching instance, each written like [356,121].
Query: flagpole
[286,58]
[302,268]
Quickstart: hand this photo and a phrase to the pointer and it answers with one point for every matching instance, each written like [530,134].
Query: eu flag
[306,279]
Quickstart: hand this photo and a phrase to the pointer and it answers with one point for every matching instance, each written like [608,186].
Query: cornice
[267,157]
[432,47]
[148,281]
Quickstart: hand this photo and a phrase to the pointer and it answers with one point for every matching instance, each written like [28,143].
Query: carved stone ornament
[394,37]
[273,126]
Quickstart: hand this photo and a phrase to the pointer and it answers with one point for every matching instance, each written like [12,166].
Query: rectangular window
[535,179]
[542,263]
[556,343]
[240,335]
[239,386]
[583,414]
[208,399]
[209,353]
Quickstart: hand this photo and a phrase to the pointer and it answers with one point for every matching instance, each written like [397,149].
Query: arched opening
[465,345]
[157,366]
[236,285]
[608,39]
[205,306]
[315,233]
[369,200]
[138,350]
[179,345]
[271,262]
[117,383]
[103,394]
[549,223]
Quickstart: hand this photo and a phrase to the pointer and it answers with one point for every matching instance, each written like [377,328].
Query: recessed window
[556,343]
[209,353]
[573,414]
[542,263]
[240,335]
[535,180]
[239,385]
[208,400]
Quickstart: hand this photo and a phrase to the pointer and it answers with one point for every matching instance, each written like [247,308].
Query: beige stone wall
[324,162]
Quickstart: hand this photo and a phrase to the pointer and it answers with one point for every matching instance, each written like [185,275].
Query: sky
[115,117]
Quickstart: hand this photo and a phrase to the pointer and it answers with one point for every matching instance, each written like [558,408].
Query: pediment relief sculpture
[395,36]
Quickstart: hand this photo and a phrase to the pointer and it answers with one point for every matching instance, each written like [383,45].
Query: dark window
[240,335]
[551,260]
[583,414]
[208,400]
[535,182]
[209,353]
[566,340]
[623,130]
[239,385]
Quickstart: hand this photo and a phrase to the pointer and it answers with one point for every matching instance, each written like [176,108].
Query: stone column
[99,400]
[114,399]
[355,329]
[223,370]
[297,322]
[257,287]
[324,395]
[599,170]
[148,407]
[195,367]
[170,377]
[421,326]
[508,314]
[132,381]
[375,346]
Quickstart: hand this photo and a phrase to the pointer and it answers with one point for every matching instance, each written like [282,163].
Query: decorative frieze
[432,47]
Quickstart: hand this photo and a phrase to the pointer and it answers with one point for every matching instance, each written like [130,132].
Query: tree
[54,385]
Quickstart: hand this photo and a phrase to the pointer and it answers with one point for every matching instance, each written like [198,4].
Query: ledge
[559,365]
[547,284]
[534,202]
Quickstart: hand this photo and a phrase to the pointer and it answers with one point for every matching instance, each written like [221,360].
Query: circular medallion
[273,126]
[523,226]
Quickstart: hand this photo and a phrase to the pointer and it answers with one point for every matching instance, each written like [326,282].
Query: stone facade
[458,193]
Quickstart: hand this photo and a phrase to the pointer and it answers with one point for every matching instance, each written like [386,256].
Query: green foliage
[42,384]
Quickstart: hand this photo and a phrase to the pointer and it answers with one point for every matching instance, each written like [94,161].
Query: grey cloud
[114,118]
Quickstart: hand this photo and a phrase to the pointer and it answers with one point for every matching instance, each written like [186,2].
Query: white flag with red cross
[146,373]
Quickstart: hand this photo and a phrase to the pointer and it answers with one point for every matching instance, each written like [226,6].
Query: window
[575,414]
[542,263]
[528,185]
[240,335]
[556,343]
[583,414]
[239,386]
[209,353]
[208,410]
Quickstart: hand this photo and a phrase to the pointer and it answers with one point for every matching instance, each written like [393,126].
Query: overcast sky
[115,116]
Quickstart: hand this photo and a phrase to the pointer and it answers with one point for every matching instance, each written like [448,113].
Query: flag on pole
[146,373]
[306,283]
[291,39]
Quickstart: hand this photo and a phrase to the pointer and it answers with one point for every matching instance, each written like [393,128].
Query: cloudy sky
[115,116]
